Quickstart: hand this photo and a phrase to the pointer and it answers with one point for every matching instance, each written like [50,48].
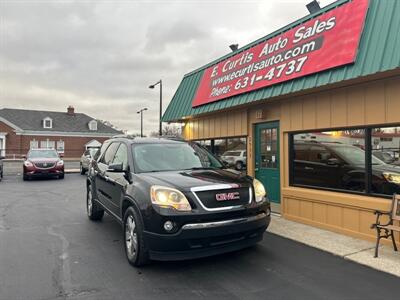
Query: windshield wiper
[203,168]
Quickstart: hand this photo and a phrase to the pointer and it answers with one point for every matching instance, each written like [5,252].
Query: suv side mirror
[333,162]
[116,168]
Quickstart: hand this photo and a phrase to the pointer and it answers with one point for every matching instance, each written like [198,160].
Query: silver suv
[236,158]
[86,158]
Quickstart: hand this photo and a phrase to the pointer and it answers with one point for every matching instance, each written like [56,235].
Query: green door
[267,158]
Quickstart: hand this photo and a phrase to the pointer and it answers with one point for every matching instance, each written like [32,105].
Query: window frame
[58,148]
[126,168]
[368,159]
[105,151]
[92,125]
[44,123]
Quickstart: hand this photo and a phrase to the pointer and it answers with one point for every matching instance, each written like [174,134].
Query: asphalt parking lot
[50,250]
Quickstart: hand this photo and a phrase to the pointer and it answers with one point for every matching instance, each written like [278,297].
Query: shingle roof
[378,52]
[32,120]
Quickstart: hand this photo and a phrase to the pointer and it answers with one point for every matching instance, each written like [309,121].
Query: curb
[72,171]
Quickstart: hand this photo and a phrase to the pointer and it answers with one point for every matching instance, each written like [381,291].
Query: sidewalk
[356,250]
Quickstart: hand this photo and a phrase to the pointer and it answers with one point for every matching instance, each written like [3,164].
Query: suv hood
[43,159]
[184,180]
[386,168]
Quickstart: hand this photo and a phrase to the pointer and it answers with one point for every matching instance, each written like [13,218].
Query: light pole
[141,120]
[152,87]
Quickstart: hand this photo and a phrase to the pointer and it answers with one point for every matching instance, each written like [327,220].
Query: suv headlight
[168,197]
[27,163]
[392,177]
[259,190]
[60,163]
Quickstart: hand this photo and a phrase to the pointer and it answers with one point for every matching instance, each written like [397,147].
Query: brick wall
[13,141]
[18,145]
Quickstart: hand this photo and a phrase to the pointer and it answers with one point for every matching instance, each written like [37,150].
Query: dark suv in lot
[1,167]
[335,165]
[174,199]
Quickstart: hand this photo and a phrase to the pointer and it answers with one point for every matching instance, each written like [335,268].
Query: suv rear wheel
[94,211]
[239,165]
[82,169]
[135,249]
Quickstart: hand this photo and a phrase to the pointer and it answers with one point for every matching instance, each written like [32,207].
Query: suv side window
[102,150]
[121,156]
[109,154]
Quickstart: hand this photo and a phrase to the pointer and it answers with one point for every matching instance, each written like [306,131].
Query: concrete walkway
[356,250]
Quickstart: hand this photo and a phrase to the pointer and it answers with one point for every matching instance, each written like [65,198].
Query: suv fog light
[168,226]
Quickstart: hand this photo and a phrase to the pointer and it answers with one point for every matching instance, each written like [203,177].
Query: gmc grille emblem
[227,196]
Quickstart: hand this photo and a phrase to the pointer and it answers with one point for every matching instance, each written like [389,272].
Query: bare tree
[169,130]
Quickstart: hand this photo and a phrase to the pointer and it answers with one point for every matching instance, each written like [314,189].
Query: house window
[47,123]
[47,144]
[353,160]
[34,144]
[60,146]
[93,125]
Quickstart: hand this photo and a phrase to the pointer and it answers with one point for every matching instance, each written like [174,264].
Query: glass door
[267,161]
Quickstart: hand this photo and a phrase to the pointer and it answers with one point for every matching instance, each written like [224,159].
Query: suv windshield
[172,157]
[43,154]
[231,153]
[354,155]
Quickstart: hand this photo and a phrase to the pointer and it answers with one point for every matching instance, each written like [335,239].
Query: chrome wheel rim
[130,236]
[89,202]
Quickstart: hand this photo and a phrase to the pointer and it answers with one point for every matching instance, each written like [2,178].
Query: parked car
[1,167]
[174,199]
[43,163]
[86,158]
[341,166]
[386,157]
[236,158]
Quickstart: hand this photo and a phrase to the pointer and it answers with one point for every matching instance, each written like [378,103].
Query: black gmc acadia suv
[174,199]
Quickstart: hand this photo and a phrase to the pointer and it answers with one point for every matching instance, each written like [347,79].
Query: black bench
[387,230]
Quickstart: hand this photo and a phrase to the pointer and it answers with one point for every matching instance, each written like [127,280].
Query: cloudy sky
[100,56]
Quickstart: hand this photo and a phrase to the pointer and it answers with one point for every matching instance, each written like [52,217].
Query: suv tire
[135,248]
[94,210]
[239,165]
[83,171]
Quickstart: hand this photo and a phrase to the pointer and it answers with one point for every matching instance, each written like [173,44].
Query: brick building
[68,132]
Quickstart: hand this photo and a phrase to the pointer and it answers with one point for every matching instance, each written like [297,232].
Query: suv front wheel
[94,211]
[135,249]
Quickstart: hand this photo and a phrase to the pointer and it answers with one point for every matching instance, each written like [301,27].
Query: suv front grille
[44,165]
[222,197]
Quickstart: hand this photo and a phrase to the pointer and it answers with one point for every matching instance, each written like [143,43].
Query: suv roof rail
[172,137]
[127,136]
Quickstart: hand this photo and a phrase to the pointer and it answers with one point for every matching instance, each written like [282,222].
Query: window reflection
[337,160]
[268,148]
[233,151]
[331,159]
[385,145]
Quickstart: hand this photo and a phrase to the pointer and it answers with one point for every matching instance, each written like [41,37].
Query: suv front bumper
[195,240]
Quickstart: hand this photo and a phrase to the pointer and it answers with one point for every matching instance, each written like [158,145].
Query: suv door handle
[308,168]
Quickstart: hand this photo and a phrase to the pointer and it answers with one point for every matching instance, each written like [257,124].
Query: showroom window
[361,160]
[231,150]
